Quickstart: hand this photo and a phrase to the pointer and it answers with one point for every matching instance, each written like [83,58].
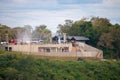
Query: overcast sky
[53,12]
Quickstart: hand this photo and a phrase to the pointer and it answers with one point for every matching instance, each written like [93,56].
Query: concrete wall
[87,51]
[72,54]
[34,47]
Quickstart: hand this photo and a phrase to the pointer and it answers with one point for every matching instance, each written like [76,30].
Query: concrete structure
[64,49]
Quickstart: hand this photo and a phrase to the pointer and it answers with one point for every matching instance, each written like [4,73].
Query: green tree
[42,32]
[100,22]
[65,28]
[5,33]
[115,32]
[91,28]
[111,40]
[80,27]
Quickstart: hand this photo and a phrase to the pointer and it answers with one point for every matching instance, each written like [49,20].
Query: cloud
[107,8]
[28,4]
[53,12]
[79,1]
[111,3]
[20,1]
[38,17]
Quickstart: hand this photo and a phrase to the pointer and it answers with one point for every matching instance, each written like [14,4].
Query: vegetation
[8,33]
[42,32]
[102,34]
[16,66]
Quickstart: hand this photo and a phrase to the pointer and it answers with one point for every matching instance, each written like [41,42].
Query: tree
[28,28]
[65,28]
[42,32]
[111,40]
[98,26]
[100,22]
[80,27]
[106,40]
[5,30]
[115,32]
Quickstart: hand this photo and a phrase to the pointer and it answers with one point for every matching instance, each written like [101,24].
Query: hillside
[16,66]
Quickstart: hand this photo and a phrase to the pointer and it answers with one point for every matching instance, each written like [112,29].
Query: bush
[24,67]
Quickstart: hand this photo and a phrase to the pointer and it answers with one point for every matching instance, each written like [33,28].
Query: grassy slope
[23,67]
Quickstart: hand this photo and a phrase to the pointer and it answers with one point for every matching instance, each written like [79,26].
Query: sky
[16,13]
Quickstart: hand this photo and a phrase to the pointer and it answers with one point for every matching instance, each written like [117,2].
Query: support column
[64,37]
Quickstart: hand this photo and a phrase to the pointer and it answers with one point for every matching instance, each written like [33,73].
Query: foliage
[111,40]
[42,32]
[102,34]
[100,31]
[7,33]
[4,31]
[23,67]
[66,27]
[17,67]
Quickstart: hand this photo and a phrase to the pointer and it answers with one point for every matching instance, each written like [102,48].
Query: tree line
[102,34]
[8,33]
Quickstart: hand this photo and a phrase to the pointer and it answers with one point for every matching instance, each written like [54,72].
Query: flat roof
[78,37]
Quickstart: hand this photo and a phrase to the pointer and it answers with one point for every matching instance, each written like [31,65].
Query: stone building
[70,49]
